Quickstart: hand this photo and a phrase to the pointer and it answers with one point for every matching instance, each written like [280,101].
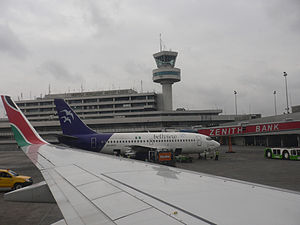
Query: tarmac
[20,213]
[247,164]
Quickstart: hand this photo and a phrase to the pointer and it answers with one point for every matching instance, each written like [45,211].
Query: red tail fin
[24,133]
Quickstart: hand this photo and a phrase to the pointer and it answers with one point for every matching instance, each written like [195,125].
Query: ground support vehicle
[283,153]
[12,180]
[184,158]
[162,156]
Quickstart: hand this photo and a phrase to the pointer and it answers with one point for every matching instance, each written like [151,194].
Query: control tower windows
[165,60]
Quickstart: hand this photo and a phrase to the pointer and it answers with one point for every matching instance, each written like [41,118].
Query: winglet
[24,132]
[70,123]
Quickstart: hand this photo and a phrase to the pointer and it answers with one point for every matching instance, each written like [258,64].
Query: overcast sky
[102,45]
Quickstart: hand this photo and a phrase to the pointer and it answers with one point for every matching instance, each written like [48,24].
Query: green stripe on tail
[19,137]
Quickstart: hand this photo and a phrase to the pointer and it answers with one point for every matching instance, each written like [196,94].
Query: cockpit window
[209,138]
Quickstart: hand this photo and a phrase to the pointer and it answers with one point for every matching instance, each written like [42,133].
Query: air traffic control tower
[166,74]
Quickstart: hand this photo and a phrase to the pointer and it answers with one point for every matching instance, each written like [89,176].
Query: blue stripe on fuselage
[91,142]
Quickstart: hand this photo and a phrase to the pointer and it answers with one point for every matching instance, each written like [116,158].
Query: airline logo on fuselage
[164,136]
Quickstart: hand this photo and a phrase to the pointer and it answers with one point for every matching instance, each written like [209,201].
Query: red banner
[247,129]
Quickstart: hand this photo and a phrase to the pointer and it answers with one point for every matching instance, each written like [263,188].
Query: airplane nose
[213,145]
[216,144]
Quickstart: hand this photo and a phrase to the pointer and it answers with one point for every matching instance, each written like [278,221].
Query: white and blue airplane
[77,134]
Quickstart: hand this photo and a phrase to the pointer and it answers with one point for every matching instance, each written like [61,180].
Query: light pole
[235,101]
[275,103]
[286,92]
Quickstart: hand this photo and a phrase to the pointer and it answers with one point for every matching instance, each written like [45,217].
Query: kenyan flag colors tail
[24,133]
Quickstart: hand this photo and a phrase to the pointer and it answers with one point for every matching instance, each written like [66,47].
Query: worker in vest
[216,155]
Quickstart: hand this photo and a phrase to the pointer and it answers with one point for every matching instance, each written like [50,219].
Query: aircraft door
[178,151]
[93,142]
[199,141]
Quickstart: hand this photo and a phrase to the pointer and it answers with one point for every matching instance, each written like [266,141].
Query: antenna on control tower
[160,43]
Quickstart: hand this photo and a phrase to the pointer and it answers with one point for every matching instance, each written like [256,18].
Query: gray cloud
[100,16]
[58,71]
[223,46]
[284,14]
[11,44]
[137,69]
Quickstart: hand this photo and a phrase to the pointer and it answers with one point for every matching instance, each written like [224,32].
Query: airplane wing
[141,148]
[93,188]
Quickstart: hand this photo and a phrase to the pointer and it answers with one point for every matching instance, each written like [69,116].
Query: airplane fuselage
[122,142]
[77,134]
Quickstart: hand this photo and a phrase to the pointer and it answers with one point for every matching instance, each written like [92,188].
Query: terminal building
[273,131]
[122,110]
[113,111]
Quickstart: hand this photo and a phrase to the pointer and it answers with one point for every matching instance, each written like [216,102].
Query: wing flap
[90,190]
[149,216]
[75,175]
[120,204]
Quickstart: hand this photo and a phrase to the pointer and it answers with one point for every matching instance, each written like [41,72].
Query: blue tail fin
[70,123]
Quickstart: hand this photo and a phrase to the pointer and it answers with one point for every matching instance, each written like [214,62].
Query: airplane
[77,134]
[95,188]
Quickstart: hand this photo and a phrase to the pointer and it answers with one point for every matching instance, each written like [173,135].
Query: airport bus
[283,153]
